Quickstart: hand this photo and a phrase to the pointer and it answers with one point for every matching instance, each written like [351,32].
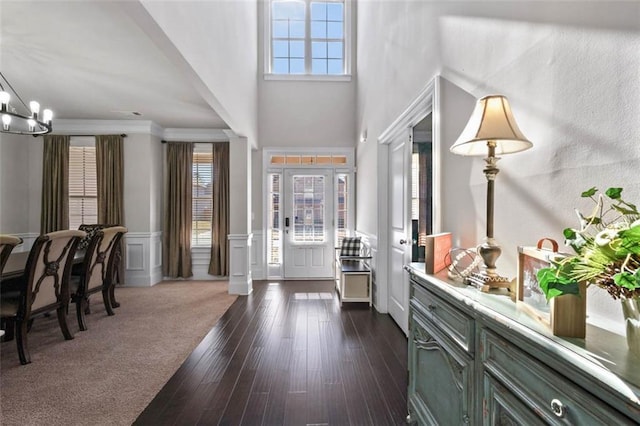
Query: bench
[353,271]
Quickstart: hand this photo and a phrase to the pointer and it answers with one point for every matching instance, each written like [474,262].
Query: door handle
[286,222]
[403,241]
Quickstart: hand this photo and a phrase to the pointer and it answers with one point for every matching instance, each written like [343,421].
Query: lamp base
[487,283]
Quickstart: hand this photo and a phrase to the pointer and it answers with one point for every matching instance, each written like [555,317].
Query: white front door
[399,228]
[308,223]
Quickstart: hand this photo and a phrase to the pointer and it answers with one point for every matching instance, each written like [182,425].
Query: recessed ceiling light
[136,113]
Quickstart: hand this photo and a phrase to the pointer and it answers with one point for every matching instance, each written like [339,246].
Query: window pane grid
[321,50]
[308,209]
[288,37]
[309,159]
[327,38]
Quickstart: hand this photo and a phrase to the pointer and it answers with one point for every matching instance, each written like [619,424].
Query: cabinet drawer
[441,389]
[502,408]
[553,397]
[450,320]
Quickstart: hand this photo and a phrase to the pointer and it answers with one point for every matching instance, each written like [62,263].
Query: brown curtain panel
[110,180]
[54,215]
[219,263]
[110,171]
[176,237]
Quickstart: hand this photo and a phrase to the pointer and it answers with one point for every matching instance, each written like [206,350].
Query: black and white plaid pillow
[350,246]
[91,232]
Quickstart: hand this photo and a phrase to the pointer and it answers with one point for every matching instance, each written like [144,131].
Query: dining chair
[91,229]
[7,243]
[97,272]
[44,287]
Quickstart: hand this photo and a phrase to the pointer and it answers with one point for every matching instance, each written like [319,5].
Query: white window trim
[348,42]
[275,272]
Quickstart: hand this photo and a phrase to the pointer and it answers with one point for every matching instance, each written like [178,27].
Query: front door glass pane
[308,209]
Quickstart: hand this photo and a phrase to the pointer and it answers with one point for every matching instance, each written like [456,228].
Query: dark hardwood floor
[289,355]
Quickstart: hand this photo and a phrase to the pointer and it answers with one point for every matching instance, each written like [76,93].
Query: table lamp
[491,131]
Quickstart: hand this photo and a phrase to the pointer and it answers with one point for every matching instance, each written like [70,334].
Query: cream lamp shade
[491,120]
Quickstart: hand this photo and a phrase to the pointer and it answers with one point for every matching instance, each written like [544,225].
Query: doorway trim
[425,103]
[348,168]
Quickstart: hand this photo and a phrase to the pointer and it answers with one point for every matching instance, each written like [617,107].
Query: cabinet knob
[558,408]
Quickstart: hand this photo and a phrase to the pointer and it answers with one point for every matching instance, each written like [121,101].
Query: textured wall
[14,183]
[220,46]
[570,70]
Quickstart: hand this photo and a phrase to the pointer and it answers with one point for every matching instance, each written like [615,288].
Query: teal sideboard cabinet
[476,359]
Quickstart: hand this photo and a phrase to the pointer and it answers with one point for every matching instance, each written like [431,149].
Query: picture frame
[564,315]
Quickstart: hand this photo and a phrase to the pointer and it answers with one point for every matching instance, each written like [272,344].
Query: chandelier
[16,117]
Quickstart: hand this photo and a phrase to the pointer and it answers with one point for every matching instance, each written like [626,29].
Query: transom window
[308,37]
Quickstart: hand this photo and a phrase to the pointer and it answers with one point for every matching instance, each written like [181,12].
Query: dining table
[17,262]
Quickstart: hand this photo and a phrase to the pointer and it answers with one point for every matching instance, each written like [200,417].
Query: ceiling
[89,60]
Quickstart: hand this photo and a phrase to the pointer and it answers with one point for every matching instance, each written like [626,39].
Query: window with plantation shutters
[202,201]
[83,186]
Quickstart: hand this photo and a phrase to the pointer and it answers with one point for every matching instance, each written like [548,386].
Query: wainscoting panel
[200,258]
[143,258]
[27,241]
[240,281]
[257,256]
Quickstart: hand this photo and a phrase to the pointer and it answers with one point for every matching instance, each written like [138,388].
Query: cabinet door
[440,377]
[502,408]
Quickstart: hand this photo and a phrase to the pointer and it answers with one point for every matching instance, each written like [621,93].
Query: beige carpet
[108,374]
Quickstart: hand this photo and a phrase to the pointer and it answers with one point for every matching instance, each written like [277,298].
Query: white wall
[14,183]
[21,192]
[143,174]
[570,70]
[220,46]
[314,114]
[300,114]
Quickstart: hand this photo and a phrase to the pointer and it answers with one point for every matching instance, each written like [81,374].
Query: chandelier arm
[24,124]
[14,92]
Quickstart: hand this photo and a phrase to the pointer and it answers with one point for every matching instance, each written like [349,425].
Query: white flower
[605,236]
[620,226]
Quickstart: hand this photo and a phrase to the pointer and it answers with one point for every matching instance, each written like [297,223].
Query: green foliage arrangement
[607,248]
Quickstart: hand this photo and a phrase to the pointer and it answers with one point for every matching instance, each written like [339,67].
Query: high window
[83,187]
[202,198]
[308,37]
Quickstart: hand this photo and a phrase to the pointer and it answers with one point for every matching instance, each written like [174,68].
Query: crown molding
[195,135]
[231,134]
[411,116]
[97,127]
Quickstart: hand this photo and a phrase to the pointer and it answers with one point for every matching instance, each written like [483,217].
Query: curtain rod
[122,134]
